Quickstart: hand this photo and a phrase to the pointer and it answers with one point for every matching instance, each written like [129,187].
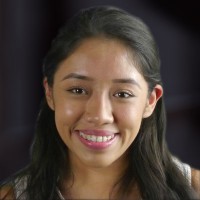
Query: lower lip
[97,145]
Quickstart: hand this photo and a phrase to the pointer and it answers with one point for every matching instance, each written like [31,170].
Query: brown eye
[78,91]
[123,95]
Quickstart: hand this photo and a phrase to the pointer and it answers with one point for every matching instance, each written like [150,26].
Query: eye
[78,91]
[123,94]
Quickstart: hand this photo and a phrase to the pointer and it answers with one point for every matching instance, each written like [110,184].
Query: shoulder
[192,174]
[13,188]
[7,193]
[196,180]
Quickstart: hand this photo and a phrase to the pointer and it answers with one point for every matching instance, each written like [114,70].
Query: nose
[98,110]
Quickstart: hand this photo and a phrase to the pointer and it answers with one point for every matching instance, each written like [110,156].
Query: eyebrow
[83,77]
[128,80]
[77,76]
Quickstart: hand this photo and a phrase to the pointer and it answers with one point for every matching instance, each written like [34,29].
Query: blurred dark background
[26,30]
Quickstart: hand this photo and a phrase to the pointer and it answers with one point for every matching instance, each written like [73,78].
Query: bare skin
[196,181]
[105,102]
[99,90]
[7,193]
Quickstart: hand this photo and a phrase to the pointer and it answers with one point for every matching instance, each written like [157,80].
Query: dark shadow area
[26,31]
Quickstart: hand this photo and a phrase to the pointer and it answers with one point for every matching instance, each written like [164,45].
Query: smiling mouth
[94,138]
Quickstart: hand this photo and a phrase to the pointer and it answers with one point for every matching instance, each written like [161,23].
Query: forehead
[100,57]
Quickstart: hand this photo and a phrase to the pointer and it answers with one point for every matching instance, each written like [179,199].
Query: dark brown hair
[151,164]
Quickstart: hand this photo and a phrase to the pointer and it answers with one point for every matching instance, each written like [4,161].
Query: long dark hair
[151,165]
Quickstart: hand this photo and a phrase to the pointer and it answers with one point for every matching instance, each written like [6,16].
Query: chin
[98,163]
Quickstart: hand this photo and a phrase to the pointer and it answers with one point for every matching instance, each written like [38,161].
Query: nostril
[92,118]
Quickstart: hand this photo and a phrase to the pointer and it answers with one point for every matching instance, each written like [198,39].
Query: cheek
[130,118]
[66,116]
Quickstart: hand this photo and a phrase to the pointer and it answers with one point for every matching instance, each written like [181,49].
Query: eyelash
[82,91]
[78,91]
[124,94]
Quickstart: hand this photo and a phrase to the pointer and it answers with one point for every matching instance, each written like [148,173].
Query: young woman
[100,133]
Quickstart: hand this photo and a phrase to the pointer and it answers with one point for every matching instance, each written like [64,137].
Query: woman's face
[99,99]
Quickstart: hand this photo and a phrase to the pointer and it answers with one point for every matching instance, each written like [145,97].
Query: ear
[155,95]
[48,93]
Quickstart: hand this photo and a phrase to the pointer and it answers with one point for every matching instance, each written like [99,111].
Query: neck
[92,182]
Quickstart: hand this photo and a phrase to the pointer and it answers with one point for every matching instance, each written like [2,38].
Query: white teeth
[88,137]
[95,138]
[99,139]
[109,137]
[106,138]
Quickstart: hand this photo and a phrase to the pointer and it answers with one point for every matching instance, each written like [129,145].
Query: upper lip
[97,132]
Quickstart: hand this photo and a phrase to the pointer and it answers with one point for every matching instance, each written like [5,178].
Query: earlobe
[48,93]
[155,95]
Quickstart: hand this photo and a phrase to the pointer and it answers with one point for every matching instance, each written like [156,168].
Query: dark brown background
[26,30]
